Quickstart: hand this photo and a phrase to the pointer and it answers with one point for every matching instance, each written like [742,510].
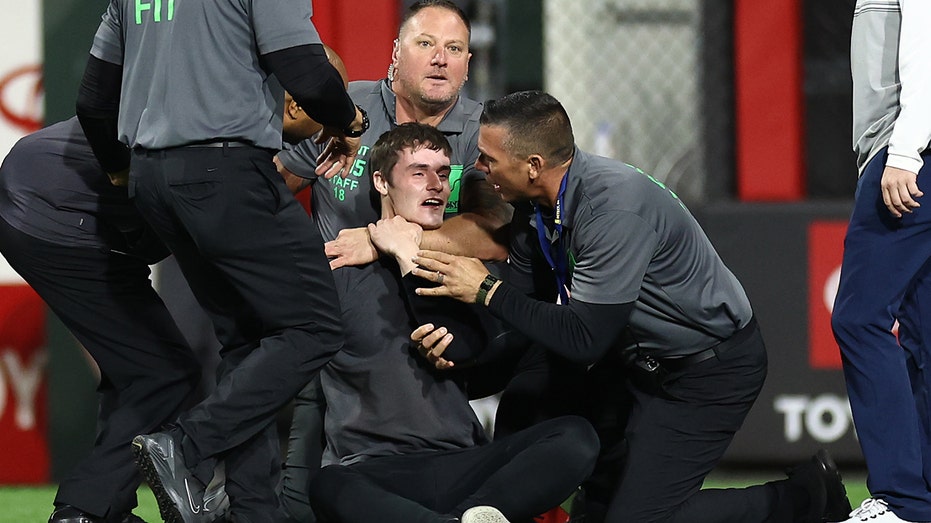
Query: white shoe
[874,511]
[483,514]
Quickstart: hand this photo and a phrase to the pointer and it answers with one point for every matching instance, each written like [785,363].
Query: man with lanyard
[194,90]
[637,276]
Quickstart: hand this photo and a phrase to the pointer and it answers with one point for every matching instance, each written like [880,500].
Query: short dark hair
[415,135]
[536,123]
[416,7]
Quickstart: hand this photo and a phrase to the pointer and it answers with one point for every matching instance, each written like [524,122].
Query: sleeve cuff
[909,163]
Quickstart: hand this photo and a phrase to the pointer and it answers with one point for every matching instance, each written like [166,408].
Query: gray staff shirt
[339,203]
[191,68]
[630,239]
[382,398]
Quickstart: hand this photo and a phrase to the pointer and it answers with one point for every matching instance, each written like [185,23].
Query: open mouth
[433,202]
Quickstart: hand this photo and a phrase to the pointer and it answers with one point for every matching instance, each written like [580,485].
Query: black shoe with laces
[180,495]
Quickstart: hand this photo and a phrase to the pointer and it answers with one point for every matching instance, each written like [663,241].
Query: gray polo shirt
[630,239]
[191,70]
[52,188]
[346,203]
[383,399]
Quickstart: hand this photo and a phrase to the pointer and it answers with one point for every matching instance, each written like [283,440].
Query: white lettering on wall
[826,418]
[25,381]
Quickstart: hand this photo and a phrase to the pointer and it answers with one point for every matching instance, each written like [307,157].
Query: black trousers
[306,442]
[659,446]
[147,369]
[255,263]
[522,475]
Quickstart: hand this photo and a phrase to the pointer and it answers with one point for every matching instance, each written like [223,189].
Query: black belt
[742,335]
[221,144]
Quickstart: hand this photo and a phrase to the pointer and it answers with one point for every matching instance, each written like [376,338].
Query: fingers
[431,343]
[435,256]
[421,331]
[430,340]
[436,350]
[336,263]
[898,200]
[119,179]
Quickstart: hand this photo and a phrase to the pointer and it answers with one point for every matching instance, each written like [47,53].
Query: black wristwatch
[365,125]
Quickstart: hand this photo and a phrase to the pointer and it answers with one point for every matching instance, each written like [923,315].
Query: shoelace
[870,508]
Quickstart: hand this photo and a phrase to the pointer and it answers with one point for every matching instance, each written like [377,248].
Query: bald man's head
[297,125]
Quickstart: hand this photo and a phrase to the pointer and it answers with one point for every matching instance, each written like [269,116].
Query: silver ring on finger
[439,278]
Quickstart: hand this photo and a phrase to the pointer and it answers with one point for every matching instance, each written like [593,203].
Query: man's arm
[912,131]
[306,73]
[581,332]
[98,109]
[294,182]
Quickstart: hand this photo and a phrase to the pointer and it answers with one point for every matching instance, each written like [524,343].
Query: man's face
[509,175]
[419,186]
[431,57]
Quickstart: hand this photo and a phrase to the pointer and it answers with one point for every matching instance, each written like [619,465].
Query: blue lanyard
[556,258]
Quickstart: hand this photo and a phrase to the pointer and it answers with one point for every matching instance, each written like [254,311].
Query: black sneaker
[69,514]
[828,496]
[179,494]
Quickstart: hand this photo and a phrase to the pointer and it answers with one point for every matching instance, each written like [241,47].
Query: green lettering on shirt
[358,167]
[661,184]
[455,184]
[156,10]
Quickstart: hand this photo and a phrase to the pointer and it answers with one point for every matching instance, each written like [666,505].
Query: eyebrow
[434,37]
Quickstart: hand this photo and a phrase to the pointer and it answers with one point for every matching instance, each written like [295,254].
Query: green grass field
[34,504]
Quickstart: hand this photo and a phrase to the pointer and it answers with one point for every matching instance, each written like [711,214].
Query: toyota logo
[21,93]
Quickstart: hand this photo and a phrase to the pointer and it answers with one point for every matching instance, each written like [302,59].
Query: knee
[580,444]
[847,322]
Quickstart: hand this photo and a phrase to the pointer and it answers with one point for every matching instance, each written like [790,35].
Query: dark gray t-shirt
[52,188]
[630,239]
[339,203]
[191,69]
[383,399]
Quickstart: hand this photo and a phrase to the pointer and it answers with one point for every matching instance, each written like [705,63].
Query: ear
[293,110]
[381,184]
[536,164]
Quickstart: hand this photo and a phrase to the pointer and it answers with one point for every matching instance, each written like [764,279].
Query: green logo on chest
[156,8]
[455,184]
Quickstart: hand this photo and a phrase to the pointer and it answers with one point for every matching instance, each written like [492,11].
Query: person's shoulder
[366,93]
[363,87]
[607,183]
[471,109]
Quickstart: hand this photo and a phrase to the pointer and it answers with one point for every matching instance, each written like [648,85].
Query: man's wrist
[486,289]
[359,125]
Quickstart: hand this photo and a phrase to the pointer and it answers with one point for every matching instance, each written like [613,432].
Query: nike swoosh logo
[209,498]
[194,508]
